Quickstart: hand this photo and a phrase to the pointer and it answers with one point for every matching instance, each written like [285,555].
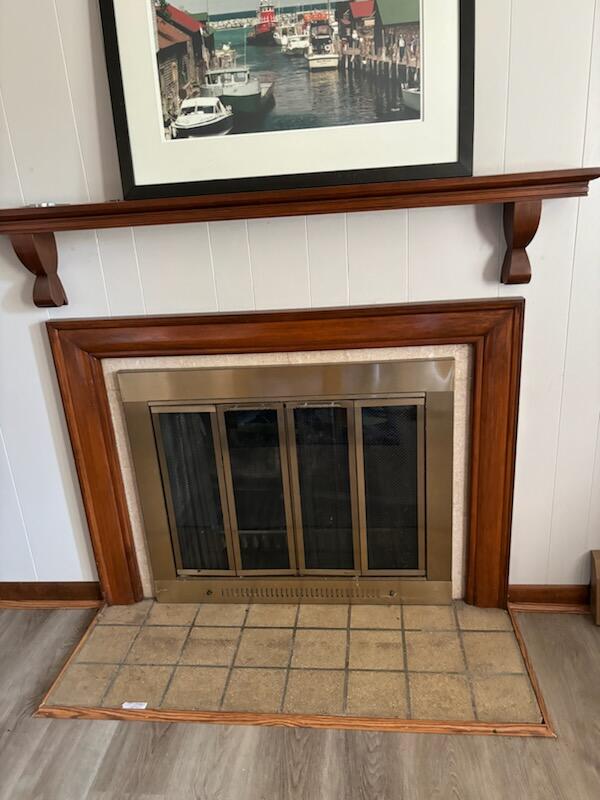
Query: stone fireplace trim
[494,329]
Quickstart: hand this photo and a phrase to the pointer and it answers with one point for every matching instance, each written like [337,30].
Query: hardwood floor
[72,760]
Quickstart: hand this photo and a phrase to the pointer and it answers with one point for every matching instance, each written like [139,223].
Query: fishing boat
[238,88]
[321,52]
[202,116]
[412,99]
[263,33]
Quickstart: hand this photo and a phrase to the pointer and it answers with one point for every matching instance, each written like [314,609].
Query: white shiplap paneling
[461,259]
[16,562]
[575,525]
[11,193]
[81,270]
[549,71]
[279,259]
[231,261]
[328,259]
[43,133]
[492,56]
[546,315]
[120,268]
[176,268]
[378,257]
[80,34]
[35,435]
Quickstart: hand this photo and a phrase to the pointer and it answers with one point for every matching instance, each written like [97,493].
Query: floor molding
[51,594]
[558,598]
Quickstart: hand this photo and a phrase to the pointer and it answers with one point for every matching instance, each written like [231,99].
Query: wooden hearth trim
[519,192]
[493,328]
[542,729]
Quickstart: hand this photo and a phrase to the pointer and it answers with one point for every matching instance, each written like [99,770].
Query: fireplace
[86,352]
[318,482]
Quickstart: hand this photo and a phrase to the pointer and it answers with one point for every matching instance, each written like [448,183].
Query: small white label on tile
[134,705]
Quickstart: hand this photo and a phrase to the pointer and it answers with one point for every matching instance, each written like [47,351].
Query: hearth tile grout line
[347,660]
[123,662]
[233,656]
[405,662]
[469,678]
[464,673]
[288,669]
[177,663]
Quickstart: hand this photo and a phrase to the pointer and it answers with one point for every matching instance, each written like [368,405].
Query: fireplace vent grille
[282,593]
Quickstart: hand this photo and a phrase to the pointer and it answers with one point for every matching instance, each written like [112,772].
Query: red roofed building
[362,9]
[181,56]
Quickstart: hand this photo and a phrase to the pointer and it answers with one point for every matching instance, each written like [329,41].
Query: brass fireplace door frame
[428,384]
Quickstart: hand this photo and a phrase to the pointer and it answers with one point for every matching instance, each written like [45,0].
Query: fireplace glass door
[295,488]
[257,483]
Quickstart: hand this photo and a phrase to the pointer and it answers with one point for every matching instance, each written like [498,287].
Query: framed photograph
[223,96]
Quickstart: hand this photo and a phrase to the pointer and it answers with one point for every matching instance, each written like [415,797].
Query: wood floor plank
[88,760]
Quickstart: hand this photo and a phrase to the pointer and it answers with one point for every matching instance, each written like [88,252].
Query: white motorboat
[412,99]
[238,88]
[321,53]
[295,45]
[202,116]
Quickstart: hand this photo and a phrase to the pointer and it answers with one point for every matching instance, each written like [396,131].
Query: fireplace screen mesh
[193,490]
[294,488]
[321,442]
[389,444]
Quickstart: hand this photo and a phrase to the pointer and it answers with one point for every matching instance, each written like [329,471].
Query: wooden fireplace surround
[494,329]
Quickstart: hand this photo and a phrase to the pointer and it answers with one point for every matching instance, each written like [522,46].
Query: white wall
[537,107]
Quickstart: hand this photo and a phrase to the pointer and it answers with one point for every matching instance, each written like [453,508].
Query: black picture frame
[462,167]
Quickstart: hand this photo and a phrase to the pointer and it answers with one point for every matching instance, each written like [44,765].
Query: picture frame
[436,144]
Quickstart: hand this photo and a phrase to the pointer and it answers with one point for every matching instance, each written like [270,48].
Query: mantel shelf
[32,229]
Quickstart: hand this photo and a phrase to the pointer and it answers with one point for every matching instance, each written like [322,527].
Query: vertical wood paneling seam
[212,266]
[306,245]
[12,149]
[588,524]
[251,263]
[508,75]
[562,393]
[347,259]
[102,275]
[136,258]
[19,506]
[71,103]
[589,86]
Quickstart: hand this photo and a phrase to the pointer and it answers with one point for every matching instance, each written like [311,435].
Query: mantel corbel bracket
[521,221]
[37,252]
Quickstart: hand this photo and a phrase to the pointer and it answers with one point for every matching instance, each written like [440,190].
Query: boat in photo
[238,88]
[263,33]
[321,53]
[202,116]
[412,99]
[295,44]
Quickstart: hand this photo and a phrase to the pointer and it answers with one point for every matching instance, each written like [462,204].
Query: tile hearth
[406,662]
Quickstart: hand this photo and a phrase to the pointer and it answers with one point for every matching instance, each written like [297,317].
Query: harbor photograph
[229,67]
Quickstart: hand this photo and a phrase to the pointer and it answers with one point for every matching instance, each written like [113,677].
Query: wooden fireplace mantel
[32,229]
[493,328]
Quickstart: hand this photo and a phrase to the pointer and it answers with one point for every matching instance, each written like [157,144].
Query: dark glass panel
[192,472]
[253,439]
[323,472]
[390,461]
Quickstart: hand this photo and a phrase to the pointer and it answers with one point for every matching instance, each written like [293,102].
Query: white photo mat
[431,140]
